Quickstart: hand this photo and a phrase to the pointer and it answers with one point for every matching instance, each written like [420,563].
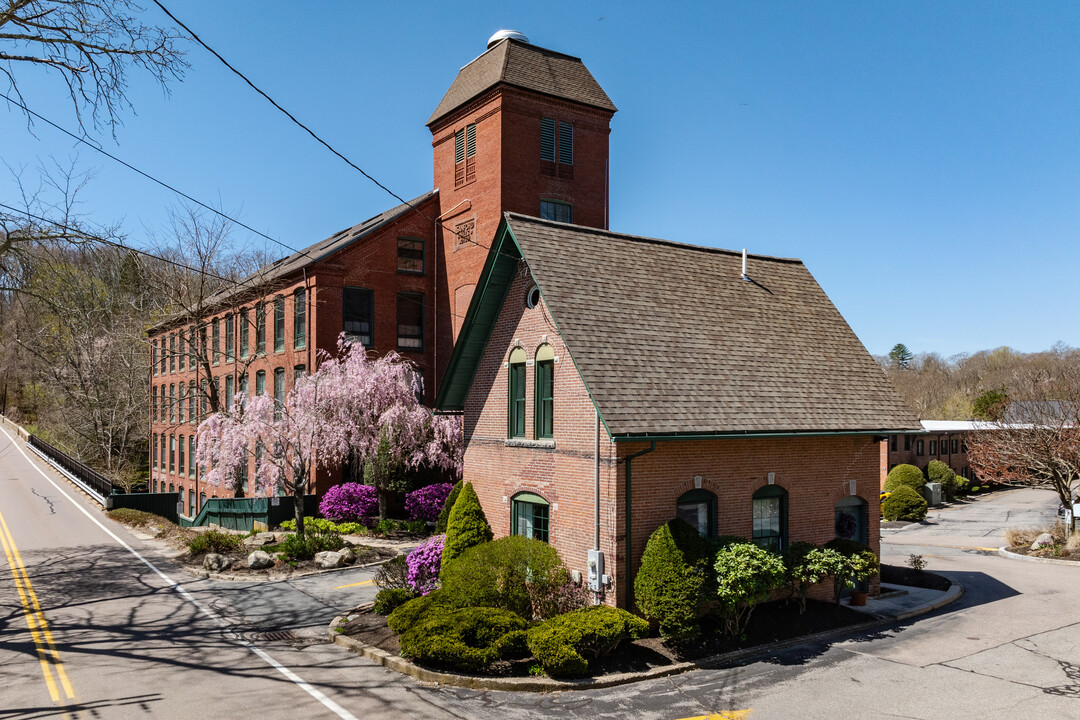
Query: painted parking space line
[48,655]
[355,584]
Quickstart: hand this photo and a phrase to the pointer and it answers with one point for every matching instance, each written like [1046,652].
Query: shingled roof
[670,340]
[526,66]
[286,266]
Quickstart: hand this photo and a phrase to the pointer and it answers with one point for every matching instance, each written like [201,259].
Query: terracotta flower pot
[858,598]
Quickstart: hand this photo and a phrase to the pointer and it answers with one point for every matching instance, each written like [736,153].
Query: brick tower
[521,129]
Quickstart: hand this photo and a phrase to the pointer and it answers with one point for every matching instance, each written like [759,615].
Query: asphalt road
[137,637]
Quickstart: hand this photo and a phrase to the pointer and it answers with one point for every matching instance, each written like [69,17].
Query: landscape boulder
[215,562]
[347,555]
[329,559]
[1044,540]
[260,560]
[260,540]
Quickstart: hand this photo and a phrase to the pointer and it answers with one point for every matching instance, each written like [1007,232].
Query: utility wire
[309,131]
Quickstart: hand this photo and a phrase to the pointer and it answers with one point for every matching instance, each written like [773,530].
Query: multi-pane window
[933,447]
[955,445]
[172,403]
[530,516]
[243,322]
[227,403]
[182,351]
[153,444]
[557,211]
[230,338]
[244,386]
[298,372]
[172,453]
[154,356]
[180,465]
[202,400]
[465,155]
[770,518]
[517,393]
[260,329]
[919,447]
[191,401]
[162,452]
[180,403]
[410,255]
[215,334]
[163,354]
[907,442]
[153,404]
[299,318]
[556,148]
[892,443]
[260,383]
[164,408]
[357,314]
[279,323]
[279,391]
[191,456]
[172,353]
[545,392]
[698,508]
[410,321]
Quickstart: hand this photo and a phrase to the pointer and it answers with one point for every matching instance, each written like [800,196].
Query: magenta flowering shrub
[349,502]
[427,502]
[424,563]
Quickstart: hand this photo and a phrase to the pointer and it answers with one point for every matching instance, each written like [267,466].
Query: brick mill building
[611,382]
[521,129]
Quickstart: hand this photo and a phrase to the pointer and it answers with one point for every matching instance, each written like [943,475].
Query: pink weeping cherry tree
[353,404]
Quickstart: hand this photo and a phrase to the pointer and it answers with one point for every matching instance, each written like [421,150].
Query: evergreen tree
[900,355]
[467,526]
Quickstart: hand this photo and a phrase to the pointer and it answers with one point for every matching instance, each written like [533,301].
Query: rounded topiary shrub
[669,587]
[467,525]
[390,599]
[409,614]
[448,505]
[745,575]
[467,639]
[349,502]
[427,502]
[515,573]
[904,504]
[565,644]
[908,475]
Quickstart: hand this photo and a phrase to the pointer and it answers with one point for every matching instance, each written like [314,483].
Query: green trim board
[728,436]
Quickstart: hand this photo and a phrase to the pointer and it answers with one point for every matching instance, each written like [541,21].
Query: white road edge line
[300,682]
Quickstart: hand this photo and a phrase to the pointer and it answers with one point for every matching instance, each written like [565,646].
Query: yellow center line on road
[729,715]
[357,584]
[35,618]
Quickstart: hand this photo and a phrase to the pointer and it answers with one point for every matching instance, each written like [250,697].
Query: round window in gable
[532,298]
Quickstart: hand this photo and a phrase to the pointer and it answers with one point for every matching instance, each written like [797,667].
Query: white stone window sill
[545,444]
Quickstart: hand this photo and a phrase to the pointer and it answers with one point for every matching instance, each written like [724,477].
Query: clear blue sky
[922,158]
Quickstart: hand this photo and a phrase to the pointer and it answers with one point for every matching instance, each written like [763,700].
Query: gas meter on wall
[596,570]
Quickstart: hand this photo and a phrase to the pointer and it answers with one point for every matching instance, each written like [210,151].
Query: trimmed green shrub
[904,504]
[444,514]
[390,599]
[807,565]
[860,563]
[467,639]
[295,547]
[564,644]
[908,475]
[216,542]
[670,585]
[467,525]
[406,616]
[514,573]
[745,575]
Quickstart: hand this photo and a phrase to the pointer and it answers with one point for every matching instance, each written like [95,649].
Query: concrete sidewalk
[898,602]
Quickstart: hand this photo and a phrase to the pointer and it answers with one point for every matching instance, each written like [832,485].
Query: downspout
[596,484]
[629,507]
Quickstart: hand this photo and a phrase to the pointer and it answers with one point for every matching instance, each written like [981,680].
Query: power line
[311,132]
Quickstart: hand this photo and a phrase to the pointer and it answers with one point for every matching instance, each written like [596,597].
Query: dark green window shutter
[459,146]
[470,141]
[517,400]
[545,396]
[547,139]
[566,143]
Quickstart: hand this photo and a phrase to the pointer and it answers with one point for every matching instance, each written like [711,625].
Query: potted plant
[861,567]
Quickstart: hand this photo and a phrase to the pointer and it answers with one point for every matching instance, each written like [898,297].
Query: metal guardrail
[91,480]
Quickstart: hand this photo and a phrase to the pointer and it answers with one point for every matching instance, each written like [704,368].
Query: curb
[544,684]
[1004,552]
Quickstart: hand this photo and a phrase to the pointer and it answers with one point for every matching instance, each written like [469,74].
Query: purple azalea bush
[427,502]
[423,565]
[349,502]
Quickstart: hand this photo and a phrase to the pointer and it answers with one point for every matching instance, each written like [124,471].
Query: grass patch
[215,542]
[136,518]
[1024,537]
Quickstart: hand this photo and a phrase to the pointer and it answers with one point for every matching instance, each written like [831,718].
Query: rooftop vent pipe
[744,275]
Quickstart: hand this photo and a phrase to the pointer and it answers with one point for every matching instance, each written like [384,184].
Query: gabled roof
[671,341]
[525,66]
[310,255]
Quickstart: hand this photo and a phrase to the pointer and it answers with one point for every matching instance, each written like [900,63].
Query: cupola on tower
[521,129]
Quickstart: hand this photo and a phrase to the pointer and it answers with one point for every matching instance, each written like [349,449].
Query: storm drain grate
[278,636]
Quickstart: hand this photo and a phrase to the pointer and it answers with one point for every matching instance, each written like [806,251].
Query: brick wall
[943,451]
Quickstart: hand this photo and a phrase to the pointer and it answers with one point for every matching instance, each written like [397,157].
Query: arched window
[543,426]
[517,393]
[698,507]
[851,519]
[529,516]
[770,517]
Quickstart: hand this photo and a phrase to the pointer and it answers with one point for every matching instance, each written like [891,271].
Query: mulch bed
[770,622]
[1049,553]
[364,555]
[900,575]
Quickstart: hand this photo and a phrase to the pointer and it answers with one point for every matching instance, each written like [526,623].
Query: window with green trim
[529,516]
[770,517]
[358,314]
[557,211]
[543,426]
[517,393]
[279,323]
[243,328]
[299,318]
[698,508]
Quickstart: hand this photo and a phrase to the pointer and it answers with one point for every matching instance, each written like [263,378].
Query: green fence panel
[163,504]
[242,513]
